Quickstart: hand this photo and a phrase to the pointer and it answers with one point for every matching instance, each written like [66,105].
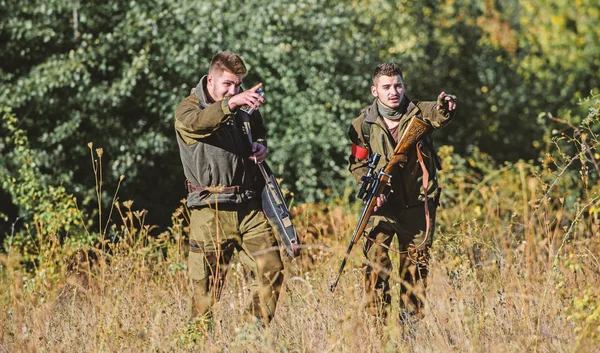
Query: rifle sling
[425,189]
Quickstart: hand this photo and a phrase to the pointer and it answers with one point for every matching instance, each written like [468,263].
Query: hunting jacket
[406,182]
[215,150]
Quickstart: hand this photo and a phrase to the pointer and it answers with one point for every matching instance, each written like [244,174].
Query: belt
[235,189]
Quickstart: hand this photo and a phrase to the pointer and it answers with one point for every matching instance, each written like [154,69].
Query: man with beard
[224,187]
[408,210]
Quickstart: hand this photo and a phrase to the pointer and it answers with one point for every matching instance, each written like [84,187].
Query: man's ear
[374,91]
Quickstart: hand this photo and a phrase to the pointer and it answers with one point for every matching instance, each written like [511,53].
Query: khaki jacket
[215,150]
[407,188]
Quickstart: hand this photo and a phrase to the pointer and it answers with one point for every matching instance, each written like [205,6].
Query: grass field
[515,268]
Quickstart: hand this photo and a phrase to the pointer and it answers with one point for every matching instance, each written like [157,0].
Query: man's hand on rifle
[381,200]
[259,152]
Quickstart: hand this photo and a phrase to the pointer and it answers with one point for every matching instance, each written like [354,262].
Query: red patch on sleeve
[359,152]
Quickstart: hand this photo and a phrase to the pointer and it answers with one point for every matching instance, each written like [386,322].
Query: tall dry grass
[515,268]
[508,275]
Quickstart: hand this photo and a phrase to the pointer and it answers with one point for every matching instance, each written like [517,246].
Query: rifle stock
[415,129]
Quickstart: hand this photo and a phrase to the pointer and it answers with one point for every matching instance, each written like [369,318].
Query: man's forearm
[190,119]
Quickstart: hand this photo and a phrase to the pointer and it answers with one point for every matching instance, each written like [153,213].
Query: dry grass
[515,268]
[483,296]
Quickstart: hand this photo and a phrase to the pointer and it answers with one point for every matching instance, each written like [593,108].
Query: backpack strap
[366,133]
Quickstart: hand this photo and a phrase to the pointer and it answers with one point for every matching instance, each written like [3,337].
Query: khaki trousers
[408,226]
[216,233]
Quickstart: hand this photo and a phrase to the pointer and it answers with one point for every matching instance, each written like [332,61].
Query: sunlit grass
[515,268]
[498,283]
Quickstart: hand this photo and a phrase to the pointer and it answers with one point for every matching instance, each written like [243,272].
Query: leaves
[113,73]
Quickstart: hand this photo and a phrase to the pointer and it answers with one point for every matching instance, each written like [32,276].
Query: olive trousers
[216,234]
[409,227]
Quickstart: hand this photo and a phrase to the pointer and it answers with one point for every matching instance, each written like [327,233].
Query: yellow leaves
[558,20]
[484,89]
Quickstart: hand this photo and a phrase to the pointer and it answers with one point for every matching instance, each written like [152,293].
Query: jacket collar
[201,92]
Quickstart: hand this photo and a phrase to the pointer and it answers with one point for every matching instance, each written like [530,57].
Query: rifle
[277,212]
[273,202]
[373,186]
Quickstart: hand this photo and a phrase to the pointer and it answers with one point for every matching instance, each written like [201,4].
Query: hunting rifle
[375,185]
[273,203]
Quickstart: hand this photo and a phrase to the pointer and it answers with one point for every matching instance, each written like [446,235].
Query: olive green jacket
[407,188]
[215,150]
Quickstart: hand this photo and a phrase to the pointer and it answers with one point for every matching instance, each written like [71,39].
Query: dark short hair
[228,61]
[387,69]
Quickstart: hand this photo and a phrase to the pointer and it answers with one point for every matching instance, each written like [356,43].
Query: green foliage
[585,312]
[48,211]
[113,73]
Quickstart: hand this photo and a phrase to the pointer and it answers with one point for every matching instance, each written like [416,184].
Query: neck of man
[391,116]
[209,95]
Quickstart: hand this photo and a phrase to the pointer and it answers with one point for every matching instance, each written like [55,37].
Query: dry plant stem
[597,263]
[112,205]
[97,186]
[587,149]
[12,235]
[4,348]
[526,221]
[549,273]
[119,300]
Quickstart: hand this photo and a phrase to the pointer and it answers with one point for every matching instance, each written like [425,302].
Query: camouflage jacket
[407,188]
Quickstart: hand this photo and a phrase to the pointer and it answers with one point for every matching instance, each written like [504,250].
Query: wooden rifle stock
[415,129]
